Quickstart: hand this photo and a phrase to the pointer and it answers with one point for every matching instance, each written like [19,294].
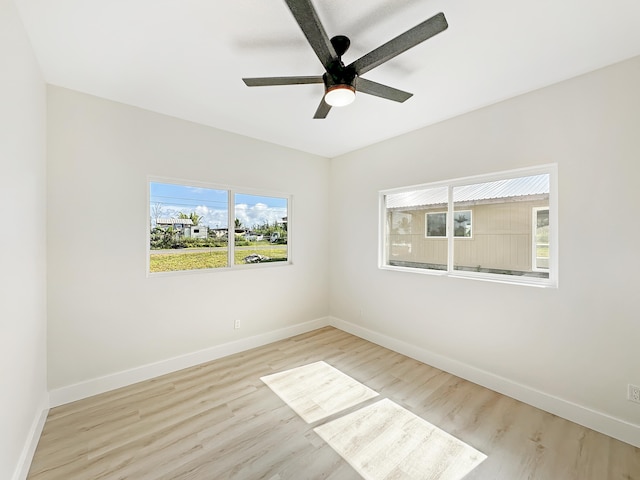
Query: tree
[193,216]
[162,238]
[404,225]
[156,211]
[238,223]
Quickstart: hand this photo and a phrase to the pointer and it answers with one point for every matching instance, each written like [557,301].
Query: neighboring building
[178,224]
[218,232]
[197,231]
[183,226]
[502,225]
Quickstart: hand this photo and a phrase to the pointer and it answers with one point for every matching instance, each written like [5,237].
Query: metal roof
[173,221]
[500,189]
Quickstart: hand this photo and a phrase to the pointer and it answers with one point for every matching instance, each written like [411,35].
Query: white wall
[105,315]
[22,252]
[579,342]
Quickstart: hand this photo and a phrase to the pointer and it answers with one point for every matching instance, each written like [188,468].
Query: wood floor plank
[219,421]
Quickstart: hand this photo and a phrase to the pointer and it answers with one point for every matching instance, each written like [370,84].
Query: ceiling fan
[341,82]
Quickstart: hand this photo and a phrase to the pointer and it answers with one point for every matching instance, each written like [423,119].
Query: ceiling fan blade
[271,81]
[401,43]
[379,90]
[323,109]
[309,22]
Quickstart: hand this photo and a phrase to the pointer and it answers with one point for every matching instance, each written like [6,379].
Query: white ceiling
[186,58]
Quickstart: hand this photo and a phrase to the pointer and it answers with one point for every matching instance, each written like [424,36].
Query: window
[495,227]
[261,229]
[462,223]
[190,226]
[437,224]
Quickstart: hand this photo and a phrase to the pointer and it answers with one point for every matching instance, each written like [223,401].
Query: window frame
[231,192]
[551,282]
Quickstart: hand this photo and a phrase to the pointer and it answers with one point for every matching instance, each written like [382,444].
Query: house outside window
[504,227]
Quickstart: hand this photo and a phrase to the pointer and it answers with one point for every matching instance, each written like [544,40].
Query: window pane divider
[231,231]
[450,229]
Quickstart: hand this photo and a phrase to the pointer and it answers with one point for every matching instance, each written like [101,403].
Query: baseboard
[88,388]
[598,421]
[24,463]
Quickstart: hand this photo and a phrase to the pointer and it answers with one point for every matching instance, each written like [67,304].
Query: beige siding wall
[501,238]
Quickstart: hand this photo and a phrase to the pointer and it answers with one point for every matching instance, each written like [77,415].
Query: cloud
[213,212]
[258,214]
[249,215]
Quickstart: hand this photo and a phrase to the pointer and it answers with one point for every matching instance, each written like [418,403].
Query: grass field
[172,262]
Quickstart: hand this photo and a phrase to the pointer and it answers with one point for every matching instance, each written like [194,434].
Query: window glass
[541,239]
[190,227]
[407,224]
[501,227]
[261,229]
[437,224]
[502,209]
[462,223]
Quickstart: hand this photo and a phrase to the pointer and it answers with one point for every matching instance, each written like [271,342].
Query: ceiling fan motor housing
[340,44]
[339,75]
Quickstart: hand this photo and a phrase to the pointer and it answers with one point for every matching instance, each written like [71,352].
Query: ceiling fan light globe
[340,95]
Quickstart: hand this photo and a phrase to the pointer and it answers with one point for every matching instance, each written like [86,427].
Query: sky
[168,200]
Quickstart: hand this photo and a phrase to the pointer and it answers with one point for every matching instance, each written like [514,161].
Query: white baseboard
[88,388]
[24,463]
[598,421]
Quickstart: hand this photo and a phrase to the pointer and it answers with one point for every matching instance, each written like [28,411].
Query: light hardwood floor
[218,421]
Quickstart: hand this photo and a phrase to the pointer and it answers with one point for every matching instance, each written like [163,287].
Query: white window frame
[231,192]
[551,282]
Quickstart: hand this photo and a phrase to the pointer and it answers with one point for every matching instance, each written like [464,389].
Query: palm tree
[193,216]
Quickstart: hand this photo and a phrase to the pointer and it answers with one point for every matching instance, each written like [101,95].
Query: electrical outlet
[634,393]
[236,324]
